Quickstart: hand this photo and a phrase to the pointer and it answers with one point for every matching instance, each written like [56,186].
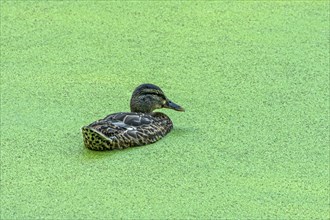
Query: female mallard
[128,129]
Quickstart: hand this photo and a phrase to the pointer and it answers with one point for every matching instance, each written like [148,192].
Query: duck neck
[142,108]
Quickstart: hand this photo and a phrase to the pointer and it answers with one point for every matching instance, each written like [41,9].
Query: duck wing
[126,129]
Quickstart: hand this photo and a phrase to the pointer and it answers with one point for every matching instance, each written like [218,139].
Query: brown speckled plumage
[136,128]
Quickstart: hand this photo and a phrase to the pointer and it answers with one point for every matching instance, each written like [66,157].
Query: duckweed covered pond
[252,76]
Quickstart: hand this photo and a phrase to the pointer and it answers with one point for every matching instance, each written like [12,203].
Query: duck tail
[95,140]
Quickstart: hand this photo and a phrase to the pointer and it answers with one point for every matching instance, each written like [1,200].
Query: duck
[139,127]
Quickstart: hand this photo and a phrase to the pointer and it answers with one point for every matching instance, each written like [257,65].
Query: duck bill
[171,105]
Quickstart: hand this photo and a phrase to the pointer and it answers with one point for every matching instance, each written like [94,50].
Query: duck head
[148,97]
